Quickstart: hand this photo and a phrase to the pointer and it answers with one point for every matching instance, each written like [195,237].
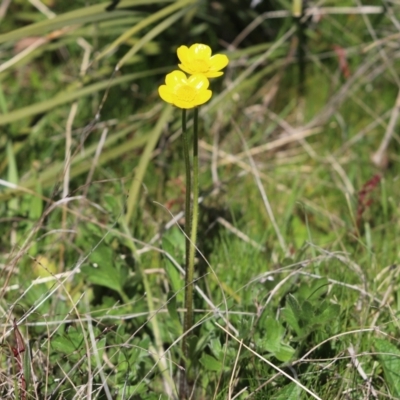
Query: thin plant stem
[195,217]
[186,155]
[191,220]
[302,41]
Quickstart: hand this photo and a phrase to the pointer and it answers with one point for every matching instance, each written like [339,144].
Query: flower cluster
[196,60]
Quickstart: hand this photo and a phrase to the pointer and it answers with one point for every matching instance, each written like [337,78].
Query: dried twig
[360,370]
[17,351]
[379,158]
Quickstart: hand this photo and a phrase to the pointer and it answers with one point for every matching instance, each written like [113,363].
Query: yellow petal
[218,62]
[203,97]
[166,94]
[175,78]
[186,68]
[200,51]
[183,54]
[213,74]
[199,82]
[183,104]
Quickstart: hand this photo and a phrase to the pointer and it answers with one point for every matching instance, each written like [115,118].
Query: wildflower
[185,92]
[197,59]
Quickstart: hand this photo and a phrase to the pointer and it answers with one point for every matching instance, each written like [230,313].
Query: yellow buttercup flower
[185,92]
[197,59]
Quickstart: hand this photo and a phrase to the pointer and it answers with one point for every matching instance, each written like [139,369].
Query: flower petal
[203,97]
[183,104]
[199,82]
[201,51]
[175,78]
[183,54]
[212,74]
[186,68]
[218,62]
[165,94]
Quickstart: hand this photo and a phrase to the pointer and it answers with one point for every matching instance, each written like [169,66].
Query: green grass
[297,287]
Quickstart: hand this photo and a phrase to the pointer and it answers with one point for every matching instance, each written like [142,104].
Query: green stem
[186,156]
[191,220]
[298,12]
[193,233]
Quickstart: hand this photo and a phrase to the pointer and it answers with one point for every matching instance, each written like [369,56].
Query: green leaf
[390,359]
[172,307]
[293,304]
[288,392]
[102,271]
[175,279]
[103,275]
[271,341]
[299,231]
[134,391]
[173,244]
[112,204]
[62,344]
[285,352]
[192,343]
[100,349]
[210,363]
[12,173]
[307,312]
[292,313]
[318,288]
[331,312]
[27,362]
[215,347]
